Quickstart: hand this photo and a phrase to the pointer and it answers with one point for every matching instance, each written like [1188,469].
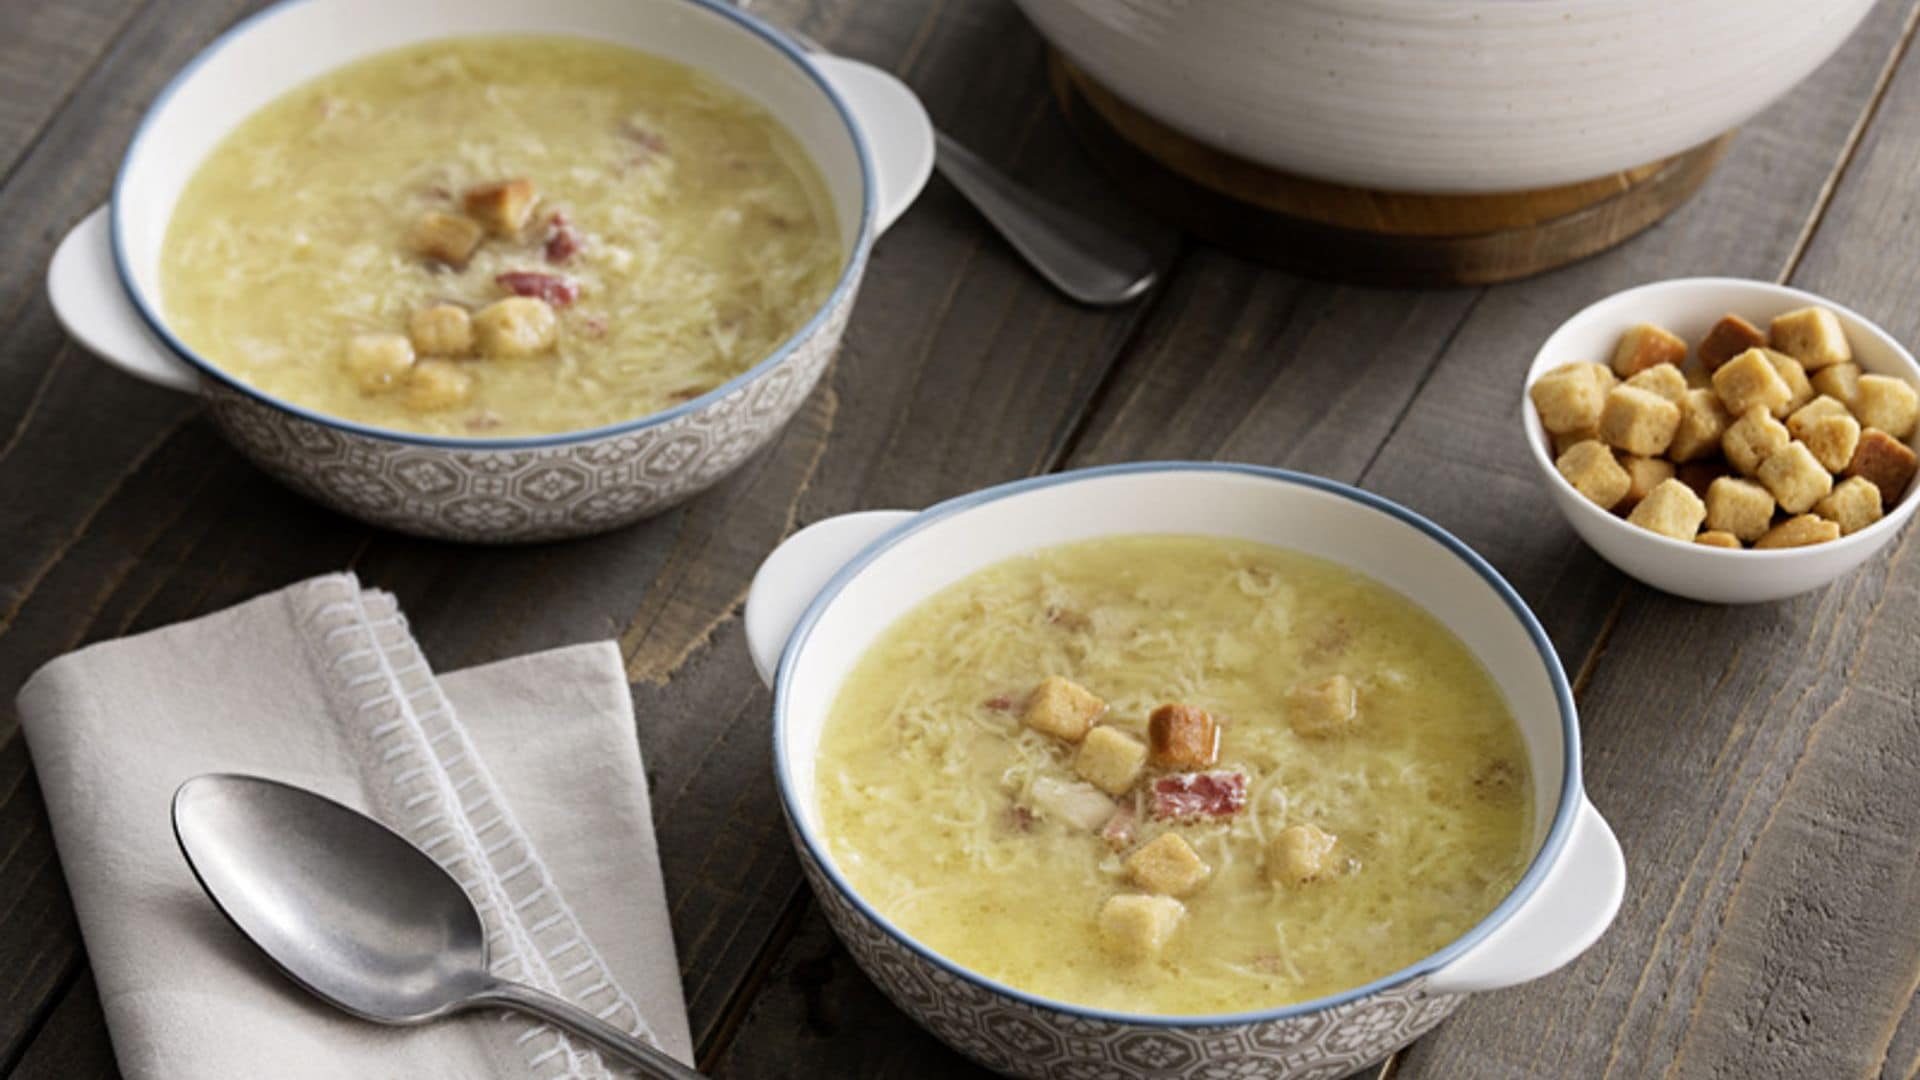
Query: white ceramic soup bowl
[823,597]
[1688,307]
[1449,95]
[863,128]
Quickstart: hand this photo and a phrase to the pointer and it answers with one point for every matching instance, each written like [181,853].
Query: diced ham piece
[1000,703]
[1120,828]
[1184,796]
[562,242]
[556,289]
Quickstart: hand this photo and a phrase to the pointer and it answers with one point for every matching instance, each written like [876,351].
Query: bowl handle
[898,134]
[1566,913]
[795,573]
[91,302]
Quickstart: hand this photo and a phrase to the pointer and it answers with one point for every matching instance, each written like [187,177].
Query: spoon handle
[1088,262]
[652,1063]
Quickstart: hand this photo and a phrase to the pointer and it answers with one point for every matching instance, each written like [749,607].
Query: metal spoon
[350,910]
[1085,260]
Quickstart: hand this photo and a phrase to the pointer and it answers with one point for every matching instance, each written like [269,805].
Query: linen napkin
[523,778]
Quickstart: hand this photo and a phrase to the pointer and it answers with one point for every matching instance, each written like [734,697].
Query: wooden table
[1761,765]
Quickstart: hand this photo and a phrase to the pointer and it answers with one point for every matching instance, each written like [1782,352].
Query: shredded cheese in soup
[1333,787]
[349,247]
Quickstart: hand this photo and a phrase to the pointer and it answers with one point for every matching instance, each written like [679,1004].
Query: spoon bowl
[350,910]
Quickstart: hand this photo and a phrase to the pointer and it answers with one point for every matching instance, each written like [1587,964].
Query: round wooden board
[1378,237]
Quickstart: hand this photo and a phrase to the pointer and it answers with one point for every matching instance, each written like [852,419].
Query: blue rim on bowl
[1543,861]
[855,263]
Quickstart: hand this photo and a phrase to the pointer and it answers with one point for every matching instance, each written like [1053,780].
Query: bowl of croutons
[1726,440]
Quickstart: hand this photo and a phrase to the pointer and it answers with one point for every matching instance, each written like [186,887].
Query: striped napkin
[522,778]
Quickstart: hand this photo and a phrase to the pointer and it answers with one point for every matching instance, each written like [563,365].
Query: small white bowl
[1688,307]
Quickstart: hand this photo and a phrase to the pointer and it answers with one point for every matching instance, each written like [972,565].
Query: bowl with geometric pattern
[823,597]
[862,127]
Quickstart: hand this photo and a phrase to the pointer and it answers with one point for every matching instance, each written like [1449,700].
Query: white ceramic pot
[822,597]
[1449,95]
[1688,307]
[863,128]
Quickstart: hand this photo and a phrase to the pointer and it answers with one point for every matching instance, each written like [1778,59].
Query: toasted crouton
[1672,510]
[1110,759]
[1730,337]
[446,238]
[1811,335]
[1886,461]
[1645,346]
[1799,532]
[503,207]
[1887,403]
[1138,927]
[1853,505]
[1300,854]
[1168,865]
[1183,736]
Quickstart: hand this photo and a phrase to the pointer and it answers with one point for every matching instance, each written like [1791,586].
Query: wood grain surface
[1758,763]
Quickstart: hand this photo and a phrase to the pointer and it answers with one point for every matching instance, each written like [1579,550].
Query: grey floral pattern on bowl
[517,494]
[1019,1039]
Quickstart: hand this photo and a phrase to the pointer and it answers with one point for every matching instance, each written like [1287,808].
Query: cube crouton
[1594,472]
[1183,736]
[1819,408]
[1887,403]
[1799,532]
[1299,854]
[1643,475]
[1700,475]
[1740,508]
[1840,382]
[434,385]
[1062,708]
[1853,505]
[1110,759]
[1323,707]
[1800,390]
[1832,439]
[1811,335]
[1716,538]
[1885,461]
[441,330]
[1638,421]
[1566,440]
[1662,379]
[503,207]
[1644,346]
[1672,510]
[1703,420]
[1138,927]
[1168,865]
[516,326]
[1754,438]
[1730,337]
[1568,398]
[1751,379]
[1796,478]
[446,238]
[378,361]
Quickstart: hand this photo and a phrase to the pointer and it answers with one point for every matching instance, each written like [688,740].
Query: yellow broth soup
[499,236]
[1175,775]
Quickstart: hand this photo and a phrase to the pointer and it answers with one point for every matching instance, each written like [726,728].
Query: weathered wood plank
[73,1043]
[45,49]
[37,946]
[1414,395]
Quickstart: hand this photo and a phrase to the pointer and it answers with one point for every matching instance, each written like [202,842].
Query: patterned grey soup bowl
[864,129]
[822,598]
